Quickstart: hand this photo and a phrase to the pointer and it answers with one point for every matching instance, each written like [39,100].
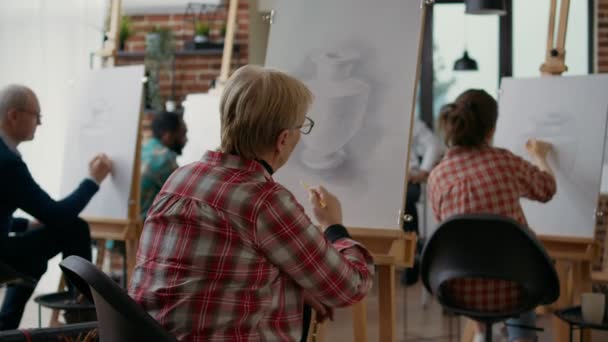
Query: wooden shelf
[200,52]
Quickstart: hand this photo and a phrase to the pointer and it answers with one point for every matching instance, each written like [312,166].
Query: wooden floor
[415,321]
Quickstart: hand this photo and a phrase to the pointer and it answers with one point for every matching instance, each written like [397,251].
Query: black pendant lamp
[465,63]
[495,7]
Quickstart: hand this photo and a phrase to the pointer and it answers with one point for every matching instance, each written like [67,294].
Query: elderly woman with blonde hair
[229,254]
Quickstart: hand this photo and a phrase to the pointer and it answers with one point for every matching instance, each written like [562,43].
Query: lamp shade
[496,7]
[465,63]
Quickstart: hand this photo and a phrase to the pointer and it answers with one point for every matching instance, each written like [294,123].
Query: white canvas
[104,119]
[202,117]
[360,59]
[570,113]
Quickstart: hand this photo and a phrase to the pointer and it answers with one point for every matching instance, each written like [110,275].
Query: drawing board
[104,119]
[360,61]
[570,113]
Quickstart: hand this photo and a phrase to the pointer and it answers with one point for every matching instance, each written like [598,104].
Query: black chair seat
[63,301]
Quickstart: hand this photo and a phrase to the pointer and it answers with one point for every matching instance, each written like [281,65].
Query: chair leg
[488,332]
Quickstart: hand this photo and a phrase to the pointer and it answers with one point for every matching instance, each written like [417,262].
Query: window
[453,31]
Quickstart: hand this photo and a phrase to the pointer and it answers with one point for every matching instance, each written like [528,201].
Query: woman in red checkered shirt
[475,177]
[228,254]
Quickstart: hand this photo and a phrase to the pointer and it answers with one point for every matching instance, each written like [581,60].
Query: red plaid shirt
[226,253]
[486,180]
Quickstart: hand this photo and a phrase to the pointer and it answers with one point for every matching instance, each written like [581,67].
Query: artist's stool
[574,318]
[66,301]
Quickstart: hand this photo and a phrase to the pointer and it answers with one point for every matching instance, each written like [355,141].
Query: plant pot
[153,43]
[199,39]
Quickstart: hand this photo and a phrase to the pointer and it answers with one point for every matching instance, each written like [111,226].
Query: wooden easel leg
[581,283]
[469,330]
[386,302]
[560,328]
[322,332]
[54,321]
[101,253]
[317,332]
[131,257]
[360,321]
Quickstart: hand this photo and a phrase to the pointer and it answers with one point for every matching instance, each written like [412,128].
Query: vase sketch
[556,128]
[338,109]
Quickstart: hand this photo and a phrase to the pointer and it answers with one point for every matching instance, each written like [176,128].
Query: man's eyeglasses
[37,114]
[307,126]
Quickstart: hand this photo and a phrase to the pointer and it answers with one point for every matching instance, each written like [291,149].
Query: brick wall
[194,71]
[602,35]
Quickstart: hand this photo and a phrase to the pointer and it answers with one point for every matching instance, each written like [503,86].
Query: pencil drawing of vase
[557,128]
[340,104]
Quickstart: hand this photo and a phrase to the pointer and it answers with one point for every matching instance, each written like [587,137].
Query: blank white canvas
[104,119]
[368,172]
[202,117]
[570,113]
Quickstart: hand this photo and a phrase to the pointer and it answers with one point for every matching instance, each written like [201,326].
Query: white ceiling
[131,7]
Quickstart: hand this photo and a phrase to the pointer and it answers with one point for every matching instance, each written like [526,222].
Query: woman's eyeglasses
[307,126]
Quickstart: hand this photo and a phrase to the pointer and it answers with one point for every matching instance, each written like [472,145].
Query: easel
[573,256]
[556,55]
[127,230]
[390,248]
[228,47]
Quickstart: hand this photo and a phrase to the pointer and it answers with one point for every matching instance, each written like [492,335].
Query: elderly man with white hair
[27,246]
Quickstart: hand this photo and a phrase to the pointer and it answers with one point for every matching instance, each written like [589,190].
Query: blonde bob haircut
[257,104]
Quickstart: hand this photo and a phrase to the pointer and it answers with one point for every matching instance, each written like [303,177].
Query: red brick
[157,18]
[136,46]
[179,17]
[185,77]
[136,38]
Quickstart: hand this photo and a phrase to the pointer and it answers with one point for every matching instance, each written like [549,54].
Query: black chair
[120,318]
[488,248]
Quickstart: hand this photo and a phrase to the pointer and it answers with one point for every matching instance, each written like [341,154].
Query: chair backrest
[488,246]
[120,318]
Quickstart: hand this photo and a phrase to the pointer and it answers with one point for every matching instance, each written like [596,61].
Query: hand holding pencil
[326,207]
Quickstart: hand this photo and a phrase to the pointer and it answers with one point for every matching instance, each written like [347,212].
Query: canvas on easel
[570,112]
[104,118]
[360,61]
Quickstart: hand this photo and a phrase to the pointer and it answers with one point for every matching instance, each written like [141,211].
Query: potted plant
[201,32]
[160,49]
[126,31]
[222,35]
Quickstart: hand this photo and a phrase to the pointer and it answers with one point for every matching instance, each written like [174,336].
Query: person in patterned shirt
[159,155]
[227,253]
[475,177]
